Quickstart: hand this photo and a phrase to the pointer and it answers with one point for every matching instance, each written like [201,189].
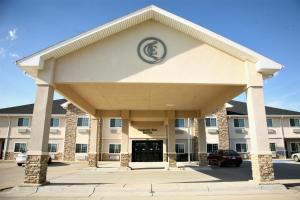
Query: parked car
[224,157]
[296,157]
[21,159]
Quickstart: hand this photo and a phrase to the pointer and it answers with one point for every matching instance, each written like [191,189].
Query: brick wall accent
[223,128]
[70,135]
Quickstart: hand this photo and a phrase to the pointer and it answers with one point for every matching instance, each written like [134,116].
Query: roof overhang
[35,62]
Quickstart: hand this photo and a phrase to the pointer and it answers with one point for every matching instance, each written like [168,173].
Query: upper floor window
[241,147]
[179,123]
[272,147]
[294,122]
[114,148]
[212,148]
[83,121]
[81,148]
[20,147]
[269,122]
[54,122]
[114,123]
[211,122]
[52,148]
[23,121]
[239,123]
[179,148]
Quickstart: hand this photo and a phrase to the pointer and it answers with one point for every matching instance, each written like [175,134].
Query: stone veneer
[58,156]
[262,168]
[36,169]
[223,128]
[202,159]
[93,159]
[172,159]
[71,128]
[9,156]
[124,160]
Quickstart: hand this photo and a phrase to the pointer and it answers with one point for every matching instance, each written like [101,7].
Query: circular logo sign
[152,50]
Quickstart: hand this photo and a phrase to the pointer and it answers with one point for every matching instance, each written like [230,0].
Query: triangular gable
[36,61]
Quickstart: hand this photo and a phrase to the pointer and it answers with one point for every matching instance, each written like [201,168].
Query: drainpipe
[189,142]
[7,138]
[283,137]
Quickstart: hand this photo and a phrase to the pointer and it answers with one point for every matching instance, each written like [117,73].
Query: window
[241,147]
[81,148]
[83,121]
[20,147]
[179,148]
[115,123]
[52,148]
[210,122]
[114,148]
[23,121]
[179,123]
[295,147]
[272,147]
[269,122]
[212,148]
[239,123]
[54,122]
[294,122]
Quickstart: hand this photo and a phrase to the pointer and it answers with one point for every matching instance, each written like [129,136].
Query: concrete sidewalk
[170,189]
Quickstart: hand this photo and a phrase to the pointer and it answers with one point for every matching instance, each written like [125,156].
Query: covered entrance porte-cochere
[148,66]
[147,151]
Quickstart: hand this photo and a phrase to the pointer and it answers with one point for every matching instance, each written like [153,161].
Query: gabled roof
[36,61]
[28,109]
[240,108]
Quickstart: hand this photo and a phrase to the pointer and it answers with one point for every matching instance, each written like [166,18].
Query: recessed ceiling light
[170,105]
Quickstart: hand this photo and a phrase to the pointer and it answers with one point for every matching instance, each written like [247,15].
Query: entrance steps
[148,165]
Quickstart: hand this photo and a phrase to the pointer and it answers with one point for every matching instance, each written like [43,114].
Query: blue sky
[270,27]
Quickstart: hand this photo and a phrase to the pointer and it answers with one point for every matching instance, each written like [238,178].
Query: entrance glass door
[147,151]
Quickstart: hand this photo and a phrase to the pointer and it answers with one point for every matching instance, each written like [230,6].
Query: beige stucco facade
[103,73]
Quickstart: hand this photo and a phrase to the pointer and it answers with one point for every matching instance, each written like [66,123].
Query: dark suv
[224,157]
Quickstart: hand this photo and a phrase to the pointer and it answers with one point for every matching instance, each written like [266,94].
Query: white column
[37,155]
[261,156]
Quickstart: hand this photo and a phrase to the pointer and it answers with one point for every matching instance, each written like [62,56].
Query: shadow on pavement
[283,170]
[57,164]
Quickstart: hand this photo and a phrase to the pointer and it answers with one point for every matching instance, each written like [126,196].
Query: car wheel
[19,164]
[49,161]
[237,165]
[209,162]
[296,158]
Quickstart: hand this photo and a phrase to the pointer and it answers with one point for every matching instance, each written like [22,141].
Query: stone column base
[36,169]
[124,161]
[172,159]
[93,159]
[262,168]
[202,157]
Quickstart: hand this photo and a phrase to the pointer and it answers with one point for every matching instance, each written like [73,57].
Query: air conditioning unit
[53,130]
[80,156]
[213,130]
[114,131]
[271,131]
[114,157]
[83,130]
[179,131]
[296,130]
[240,131]
[22,129]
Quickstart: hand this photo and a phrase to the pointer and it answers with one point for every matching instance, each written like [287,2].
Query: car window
[230,153]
